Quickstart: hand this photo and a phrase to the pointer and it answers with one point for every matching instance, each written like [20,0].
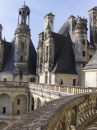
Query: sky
[62,9]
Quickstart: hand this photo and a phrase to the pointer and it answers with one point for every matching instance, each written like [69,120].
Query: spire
[24,2]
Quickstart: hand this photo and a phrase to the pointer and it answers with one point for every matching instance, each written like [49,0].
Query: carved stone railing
[11,83]
[74,112]
[63,89]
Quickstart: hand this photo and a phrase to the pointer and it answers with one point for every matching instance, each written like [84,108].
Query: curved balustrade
[64,89]
[74,112]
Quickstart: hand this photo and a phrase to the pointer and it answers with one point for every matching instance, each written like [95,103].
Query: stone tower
[49,20]
[80,48]
[45,56]
[93,26]
[1,47]
[22,42]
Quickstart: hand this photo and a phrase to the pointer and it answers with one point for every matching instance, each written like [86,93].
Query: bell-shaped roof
[24,8]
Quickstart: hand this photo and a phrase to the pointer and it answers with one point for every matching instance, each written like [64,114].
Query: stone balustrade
[62,89]
[73,112]
[11,83]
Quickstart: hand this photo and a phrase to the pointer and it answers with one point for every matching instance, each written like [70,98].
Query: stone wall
[71,113]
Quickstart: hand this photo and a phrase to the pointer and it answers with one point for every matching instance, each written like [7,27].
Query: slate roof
[92,63]
[32,59]
[64,60]
[8,60]
[64,29]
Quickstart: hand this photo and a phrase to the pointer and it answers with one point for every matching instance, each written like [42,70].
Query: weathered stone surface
[52,113]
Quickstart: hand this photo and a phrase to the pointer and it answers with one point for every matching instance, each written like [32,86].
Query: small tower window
[84,53]
[83,42]
[51,21]
[46,77]
[21,73]
[47,49]
[21,58]
[22,45]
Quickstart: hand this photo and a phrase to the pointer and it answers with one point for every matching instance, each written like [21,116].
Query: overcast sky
[62,9]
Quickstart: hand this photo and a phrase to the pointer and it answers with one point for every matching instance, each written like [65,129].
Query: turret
[22,42]
[93,25]
[24,15]
[80,45]
[1,47]
[49,20]
[80,38]
[40,53]
[1,31]
[71,21]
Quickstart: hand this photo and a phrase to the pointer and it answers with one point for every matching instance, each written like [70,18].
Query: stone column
[12,105]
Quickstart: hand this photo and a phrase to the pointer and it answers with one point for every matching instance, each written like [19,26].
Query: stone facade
[77,112]
[60,56]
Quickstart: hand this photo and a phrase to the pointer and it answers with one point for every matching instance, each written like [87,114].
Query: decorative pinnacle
[24,2]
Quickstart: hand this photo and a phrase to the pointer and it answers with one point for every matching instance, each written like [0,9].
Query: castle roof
[64,29]
[64,61]
[8,59]
[92,63]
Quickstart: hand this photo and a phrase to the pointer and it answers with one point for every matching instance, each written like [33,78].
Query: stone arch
[3,125]
[20,104]
[5,103]
[38,103]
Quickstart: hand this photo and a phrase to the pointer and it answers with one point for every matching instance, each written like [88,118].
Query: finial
[24,2]
[4,38]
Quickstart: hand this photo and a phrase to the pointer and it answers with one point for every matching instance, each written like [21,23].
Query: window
[46,77]
[18,101]
[74,82]
[32,106]
[47,52]
[84,64]
[83,42]
[4,109]
[90,56]
[4,79]
[22,45]
[21,73]
[84,53]
[32,79]
[18,111]
[21,58]
[51,21]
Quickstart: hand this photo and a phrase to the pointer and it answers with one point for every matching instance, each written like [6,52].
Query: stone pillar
[12,105]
